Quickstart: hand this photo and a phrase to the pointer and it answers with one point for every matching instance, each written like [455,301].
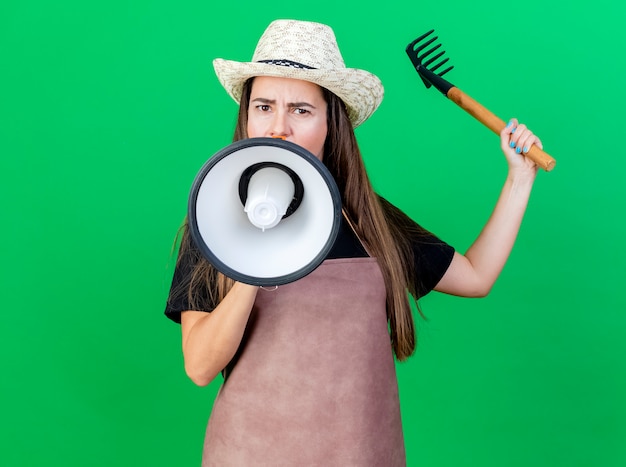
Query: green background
[109,109]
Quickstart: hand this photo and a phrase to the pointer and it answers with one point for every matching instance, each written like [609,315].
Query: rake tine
[446,70]
[428,52]
[429,61]
[412,44]
[426,44]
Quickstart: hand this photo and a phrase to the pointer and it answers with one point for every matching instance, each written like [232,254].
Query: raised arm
[474,273]
[210,340]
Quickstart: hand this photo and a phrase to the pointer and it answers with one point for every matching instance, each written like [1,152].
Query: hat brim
[360,90]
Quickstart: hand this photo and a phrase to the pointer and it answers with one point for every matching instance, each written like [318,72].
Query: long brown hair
[380,226]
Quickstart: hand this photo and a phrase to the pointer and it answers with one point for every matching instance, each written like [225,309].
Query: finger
[507,131]
[525,142]
[518,135]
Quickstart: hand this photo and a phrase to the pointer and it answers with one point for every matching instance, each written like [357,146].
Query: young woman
[309,376]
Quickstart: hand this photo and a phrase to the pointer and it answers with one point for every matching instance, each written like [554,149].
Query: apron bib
[314,383]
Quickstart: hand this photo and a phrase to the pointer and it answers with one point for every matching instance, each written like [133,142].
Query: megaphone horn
[264,211]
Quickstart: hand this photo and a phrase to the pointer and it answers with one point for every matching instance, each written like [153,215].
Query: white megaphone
[264,211]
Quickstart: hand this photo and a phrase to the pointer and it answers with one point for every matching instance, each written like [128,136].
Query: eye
[263,107]
[300,111]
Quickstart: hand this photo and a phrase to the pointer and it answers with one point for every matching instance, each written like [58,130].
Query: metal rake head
[422,61]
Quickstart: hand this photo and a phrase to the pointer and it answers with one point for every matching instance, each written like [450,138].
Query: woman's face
[290,109]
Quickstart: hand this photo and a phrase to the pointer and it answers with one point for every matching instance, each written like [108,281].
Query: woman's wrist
[522,176]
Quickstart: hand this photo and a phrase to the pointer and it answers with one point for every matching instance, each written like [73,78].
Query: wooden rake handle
[496,124]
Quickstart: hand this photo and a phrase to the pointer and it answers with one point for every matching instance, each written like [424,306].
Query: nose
[280,126]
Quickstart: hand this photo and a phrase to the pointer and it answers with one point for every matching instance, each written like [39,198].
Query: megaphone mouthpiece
[270,192]
[276,184]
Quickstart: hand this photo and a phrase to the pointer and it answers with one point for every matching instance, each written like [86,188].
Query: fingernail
[509,124]
[512,144]
[518,150]
[526,148]
[513,130]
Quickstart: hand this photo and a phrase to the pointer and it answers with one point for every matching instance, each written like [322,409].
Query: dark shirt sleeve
[432,259]
[431,255]
[178,300]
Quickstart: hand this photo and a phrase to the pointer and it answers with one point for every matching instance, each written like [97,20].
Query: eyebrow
[263,100]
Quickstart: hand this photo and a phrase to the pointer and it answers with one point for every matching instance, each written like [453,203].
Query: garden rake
[427,66]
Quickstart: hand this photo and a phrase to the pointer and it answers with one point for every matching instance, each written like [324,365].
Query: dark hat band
[288,63]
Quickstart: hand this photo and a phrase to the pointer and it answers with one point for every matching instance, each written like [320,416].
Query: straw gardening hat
[307,51]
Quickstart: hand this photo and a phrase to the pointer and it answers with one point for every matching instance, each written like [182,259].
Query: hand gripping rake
[423,60]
